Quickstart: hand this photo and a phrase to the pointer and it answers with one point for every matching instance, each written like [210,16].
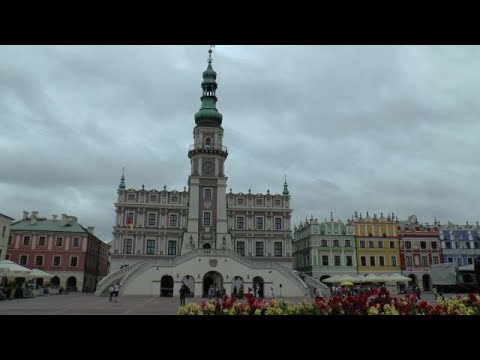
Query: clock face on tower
[208,168]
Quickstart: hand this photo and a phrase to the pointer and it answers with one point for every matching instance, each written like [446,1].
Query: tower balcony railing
[197,149]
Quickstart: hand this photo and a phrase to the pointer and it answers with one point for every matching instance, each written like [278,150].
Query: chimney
[33,218]
[90,229]
[54,217]
[25,215]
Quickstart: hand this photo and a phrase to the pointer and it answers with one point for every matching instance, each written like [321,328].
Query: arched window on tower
[209,90]
[208,143]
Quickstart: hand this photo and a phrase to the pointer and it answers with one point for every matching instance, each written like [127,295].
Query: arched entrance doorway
[212,278]
[55,281]
[72,283]
[324,277]
[166,285]
[189,281]
[414,280]
[207,246]
[258,280]
[237,286]
[426,282]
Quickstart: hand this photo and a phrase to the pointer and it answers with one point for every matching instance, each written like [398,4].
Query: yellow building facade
[378,250]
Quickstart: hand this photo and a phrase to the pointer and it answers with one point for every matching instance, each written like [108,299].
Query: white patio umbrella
[36,273]
[10,269]
[331,279]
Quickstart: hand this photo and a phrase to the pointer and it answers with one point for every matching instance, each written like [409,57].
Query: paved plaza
[88,304]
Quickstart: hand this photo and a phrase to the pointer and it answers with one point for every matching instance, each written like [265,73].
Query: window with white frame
[73,261]
[363,260]
[153,198]
[278,223]
[241,248]
[129,219]
[59,241]
[259,202]
[434,244]
[337,260]
[380,244]
[259,223]
[371,244]
[150,249]
[278,249]
[42,240]
[259,248]
[324,260]
[450,259]
[56,261]
[172,247]
[174,199]
[393,260]
[348,243]
[372,260]
[26,240]
[277,202]
[469,260]
[362,244]
[392,244]
[152,219]
[381,260]
[76,242]
[39,260]
[207,218]
[424,260]
[448,245]
[435,259]
[408,259]
[127,246]
[23,259]
[240,222]
[349,259]
[423,244]
[173,220]
[324,243]
[207,193]
[131,197]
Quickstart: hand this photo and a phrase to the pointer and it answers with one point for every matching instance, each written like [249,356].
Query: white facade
[203,235]
[5,222]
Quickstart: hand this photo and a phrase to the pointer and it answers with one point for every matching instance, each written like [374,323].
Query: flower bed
[379,304]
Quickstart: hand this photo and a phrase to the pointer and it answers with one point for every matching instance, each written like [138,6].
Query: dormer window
[208,143]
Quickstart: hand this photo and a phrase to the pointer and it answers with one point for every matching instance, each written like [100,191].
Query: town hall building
[205,235]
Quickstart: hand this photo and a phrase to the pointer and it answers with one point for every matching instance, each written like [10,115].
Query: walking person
[112,291]
[183,294]
[116,289]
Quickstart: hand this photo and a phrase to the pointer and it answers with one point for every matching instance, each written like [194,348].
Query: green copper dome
[208,114]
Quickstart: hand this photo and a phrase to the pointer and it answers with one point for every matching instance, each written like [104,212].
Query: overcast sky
[355,128]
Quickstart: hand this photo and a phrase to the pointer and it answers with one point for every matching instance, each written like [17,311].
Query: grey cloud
[355,128]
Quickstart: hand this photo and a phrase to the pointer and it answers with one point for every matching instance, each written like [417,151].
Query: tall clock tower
[207,214]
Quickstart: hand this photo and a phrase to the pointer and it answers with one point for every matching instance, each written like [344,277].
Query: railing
[141,266]
[310,281]
[294,277]
[212,148]
[108,280]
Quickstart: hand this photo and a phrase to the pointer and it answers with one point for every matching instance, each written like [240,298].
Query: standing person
[417,290]
[116,290]
[183,294]
[273,292]
[112,291]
